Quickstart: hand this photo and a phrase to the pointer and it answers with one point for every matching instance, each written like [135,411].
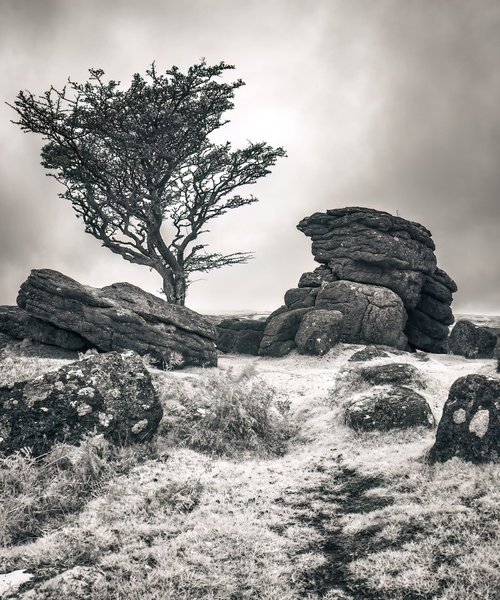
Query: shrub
[225,414]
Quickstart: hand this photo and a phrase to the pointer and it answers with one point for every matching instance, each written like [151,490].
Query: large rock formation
[383,270]
[111,394]
[470,425]
[120,317]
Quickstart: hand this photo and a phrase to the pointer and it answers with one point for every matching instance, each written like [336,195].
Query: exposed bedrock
[367,246]
[120,317]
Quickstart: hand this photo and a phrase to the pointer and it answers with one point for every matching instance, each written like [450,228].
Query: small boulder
[471,341]
[111,394]
[385,409]
[319,331]
[400,374]
[470,425]
[279,334]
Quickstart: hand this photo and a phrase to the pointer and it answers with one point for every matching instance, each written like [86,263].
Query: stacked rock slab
[375,248]
[120,317]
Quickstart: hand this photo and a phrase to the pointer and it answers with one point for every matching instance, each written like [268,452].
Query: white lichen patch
[140,426]
[459,416]
[83,409]
[104,419]
[114,393]
[479,423]
[75,373]
[86,391]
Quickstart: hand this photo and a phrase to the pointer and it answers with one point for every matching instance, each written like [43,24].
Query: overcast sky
[390,104]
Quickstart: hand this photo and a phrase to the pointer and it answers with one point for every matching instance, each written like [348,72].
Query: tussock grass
[225,413]
[37,494]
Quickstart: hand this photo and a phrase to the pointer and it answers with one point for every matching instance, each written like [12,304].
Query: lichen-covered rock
[471,341]
[400,374]
[241,336]
[382,409]
[17,324]
[372,314]
[279,334]
[470,425]
[111,394]
[319,331]
[121,317]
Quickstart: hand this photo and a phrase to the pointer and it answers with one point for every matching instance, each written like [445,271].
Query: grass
[225,413]
[338,515]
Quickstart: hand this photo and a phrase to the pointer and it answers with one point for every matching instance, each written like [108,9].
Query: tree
[139,167]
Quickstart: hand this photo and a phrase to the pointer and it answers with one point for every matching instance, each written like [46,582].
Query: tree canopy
[139,167]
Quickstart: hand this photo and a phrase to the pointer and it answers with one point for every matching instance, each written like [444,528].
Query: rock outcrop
[120,317]
[111,394]
[241,336]
[381,272]
[470,425]
[471,341]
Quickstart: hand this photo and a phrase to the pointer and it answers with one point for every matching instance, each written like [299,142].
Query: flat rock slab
[111,394]
[121,317]
[402,374]
[470,425]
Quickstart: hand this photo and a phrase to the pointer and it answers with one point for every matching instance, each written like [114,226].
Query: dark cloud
[387,104]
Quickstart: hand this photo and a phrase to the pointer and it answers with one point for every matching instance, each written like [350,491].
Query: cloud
[386,104]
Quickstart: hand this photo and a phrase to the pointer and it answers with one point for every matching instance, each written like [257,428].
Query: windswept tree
[139,167]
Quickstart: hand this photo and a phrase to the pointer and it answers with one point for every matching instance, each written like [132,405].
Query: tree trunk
[174,287]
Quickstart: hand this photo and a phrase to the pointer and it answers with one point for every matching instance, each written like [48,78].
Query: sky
[388,104]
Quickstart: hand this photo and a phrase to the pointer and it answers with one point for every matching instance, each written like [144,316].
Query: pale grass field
[340,516]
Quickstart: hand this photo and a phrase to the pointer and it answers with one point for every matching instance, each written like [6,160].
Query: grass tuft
[226,414]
